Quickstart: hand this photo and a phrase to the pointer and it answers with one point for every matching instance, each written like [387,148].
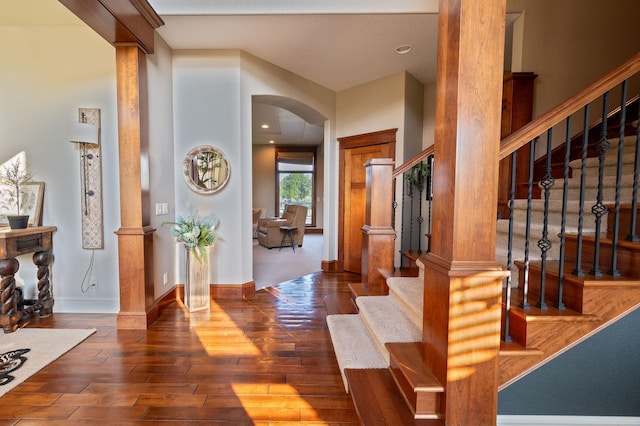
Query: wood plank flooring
[267,360]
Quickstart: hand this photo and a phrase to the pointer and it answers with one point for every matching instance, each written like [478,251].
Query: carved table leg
[43,259]
[9,313]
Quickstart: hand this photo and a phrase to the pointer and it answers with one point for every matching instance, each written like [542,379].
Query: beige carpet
[28,350]
[274,266]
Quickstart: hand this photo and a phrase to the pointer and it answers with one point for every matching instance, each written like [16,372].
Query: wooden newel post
[463,283]
[377,233]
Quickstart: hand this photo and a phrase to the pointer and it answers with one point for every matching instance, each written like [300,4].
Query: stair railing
[614,85]
[414,204]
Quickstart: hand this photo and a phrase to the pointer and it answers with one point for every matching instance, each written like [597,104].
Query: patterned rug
[28,350]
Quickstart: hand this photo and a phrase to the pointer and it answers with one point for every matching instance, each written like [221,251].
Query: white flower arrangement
[195,232]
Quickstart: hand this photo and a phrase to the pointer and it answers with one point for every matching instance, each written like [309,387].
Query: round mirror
[206,169]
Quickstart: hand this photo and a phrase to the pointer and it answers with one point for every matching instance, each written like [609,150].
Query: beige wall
[570,43]
[264,178]
[395,101]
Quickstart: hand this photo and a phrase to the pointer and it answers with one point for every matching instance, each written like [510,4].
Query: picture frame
[31,199]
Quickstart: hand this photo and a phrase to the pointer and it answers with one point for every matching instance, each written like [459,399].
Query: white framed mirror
[206,169]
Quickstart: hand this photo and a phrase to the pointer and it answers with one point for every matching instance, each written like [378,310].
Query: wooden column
[135,236]
[378,233]
[462,302]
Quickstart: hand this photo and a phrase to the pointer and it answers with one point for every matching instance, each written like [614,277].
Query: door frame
[387,136]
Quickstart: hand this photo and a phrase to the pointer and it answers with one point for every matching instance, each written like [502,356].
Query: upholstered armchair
[269,234]
[257,212]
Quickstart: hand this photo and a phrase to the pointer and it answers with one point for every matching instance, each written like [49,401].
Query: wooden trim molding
[233,291]
[330,266]
[368,139]
[120,22]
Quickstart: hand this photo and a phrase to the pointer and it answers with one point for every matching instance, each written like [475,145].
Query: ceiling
[333,43]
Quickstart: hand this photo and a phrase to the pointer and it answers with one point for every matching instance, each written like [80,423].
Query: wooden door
[354,152]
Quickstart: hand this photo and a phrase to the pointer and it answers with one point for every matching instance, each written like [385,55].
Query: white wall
[263,78]
[161,165]
[212,105]
[46,74]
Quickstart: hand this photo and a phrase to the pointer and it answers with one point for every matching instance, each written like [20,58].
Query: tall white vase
[196,292]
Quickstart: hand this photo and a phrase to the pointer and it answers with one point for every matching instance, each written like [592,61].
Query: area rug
[275,266]
[28,350]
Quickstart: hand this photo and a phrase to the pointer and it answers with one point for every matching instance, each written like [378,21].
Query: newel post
[377,233]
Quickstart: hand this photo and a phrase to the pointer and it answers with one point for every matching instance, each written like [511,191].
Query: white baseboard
[566,421]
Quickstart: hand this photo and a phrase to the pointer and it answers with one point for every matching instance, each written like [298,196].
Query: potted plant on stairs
[14,176]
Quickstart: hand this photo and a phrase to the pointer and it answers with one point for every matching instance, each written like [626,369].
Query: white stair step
[610,165]
[353,345]
[591,189]
[408,293]
[386,323]
[554,213]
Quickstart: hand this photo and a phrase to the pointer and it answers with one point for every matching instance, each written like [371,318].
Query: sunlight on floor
[226,340]
[286,400]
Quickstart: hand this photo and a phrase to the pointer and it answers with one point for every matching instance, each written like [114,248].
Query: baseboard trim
[233,291]
[504,420]
[330,266]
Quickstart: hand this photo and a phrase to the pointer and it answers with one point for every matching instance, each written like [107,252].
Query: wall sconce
[86,133]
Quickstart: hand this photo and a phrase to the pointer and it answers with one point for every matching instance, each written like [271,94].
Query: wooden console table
[16,242]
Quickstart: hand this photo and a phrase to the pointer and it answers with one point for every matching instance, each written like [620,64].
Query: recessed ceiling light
[401,50]
[272,141]
[265,126]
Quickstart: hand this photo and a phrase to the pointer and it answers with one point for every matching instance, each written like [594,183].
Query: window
[295,174]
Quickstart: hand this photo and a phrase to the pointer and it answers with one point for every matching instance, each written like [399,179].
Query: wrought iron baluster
[544,244]
[402,230]
[420,219]
[411,198]
[524,304]
[507,302]
[634,201]
[599,209]
[613,270]
[429,195]
[563,222]
[583,172]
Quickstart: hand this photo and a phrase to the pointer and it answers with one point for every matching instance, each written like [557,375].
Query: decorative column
[135,236]
[463,283]
[378,233]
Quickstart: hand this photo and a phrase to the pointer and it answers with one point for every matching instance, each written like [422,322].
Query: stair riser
[624,222]
[422,404]
[627,261]
[572,295]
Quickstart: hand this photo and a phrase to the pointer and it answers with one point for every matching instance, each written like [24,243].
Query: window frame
[314,151]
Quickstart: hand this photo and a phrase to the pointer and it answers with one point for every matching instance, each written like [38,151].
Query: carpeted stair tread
[386,322]
[408,293]
[352,345]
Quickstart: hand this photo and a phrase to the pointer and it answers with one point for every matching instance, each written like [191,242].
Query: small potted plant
[14,176]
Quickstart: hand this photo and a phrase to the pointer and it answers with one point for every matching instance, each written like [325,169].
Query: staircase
[555,298]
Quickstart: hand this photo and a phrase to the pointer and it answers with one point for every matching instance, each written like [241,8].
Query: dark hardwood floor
[267,360]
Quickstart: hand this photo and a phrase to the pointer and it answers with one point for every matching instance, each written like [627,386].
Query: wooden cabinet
[517,110]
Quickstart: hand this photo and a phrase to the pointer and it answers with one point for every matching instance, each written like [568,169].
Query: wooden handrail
[554,116]
[412,162]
